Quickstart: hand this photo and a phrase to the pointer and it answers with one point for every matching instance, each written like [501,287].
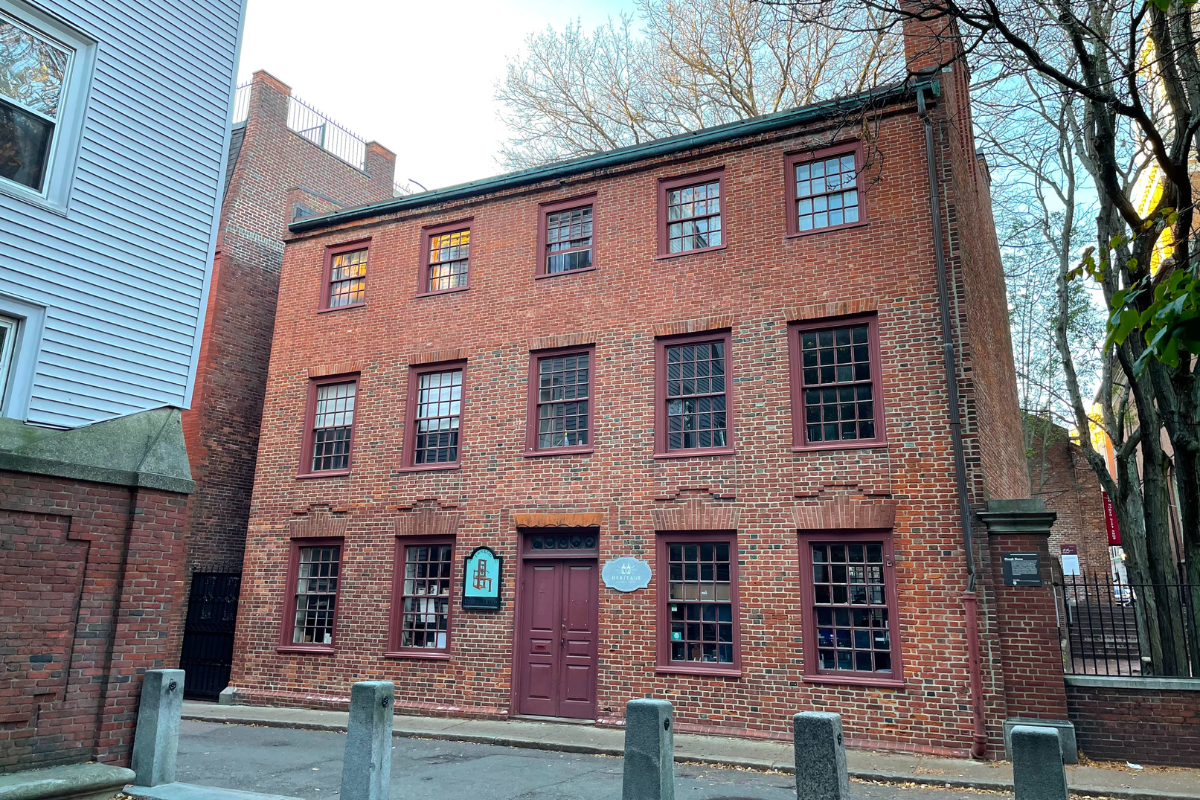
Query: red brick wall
[90,581]
[753,286]
[1145,726]
[1059,475]
[275,169]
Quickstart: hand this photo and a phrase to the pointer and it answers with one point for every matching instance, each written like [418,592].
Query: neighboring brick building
[628,355]
[285,161]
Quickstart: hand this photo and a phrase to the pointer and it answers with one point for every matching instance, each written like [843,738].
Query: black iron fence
[1110,627]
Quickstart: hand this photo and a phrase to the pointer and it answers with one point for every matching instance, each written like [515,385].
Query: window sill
[20,192]
[443,291]
[317,650]
[665,256]
[543,275]
[828,229]
[712,451]
[846,444]
[417,654]
[333,473]
[342,308]
[582,450]
[856,680]
[715,672]
[431,467]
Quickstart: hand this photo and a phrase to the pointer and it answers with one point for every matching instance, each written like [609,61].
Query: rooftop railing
[310,123]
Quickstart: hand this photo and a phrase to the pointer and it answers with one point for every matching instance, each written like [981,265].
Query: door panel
[207,652]
[558,641]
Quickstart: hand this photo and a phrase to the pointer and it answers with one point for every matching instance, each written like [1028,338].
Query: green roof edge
[623,155]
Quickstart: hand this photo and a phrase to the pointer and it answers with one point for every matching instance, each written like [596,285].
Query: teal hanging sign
[481,580]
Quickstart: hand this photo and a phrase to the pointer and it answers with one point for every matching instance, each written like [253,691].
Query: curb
[932,781]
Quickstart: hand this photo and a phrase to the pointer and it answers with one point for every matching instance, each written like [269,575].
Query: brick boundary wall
[1145,726]
[90,578]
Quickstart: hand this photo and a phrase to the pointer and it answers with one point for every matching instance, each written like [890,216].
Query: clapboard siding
[122,274]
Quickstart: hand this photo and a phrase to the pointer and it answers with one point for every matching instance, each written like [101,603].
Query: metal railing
[1104,630]
[310,123]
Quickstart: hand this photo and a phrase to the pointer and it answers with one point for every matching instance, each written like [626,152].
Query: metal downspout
[979,738]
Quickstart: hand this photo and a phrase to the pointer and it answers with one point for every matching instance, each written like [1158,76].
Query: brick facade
[765,491]
[1060,476]
[273,171]
[1145,726]
[90,579]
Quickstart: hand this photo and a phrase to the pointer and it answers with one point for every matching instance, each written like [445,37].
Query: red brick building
[718,354]
[285,161]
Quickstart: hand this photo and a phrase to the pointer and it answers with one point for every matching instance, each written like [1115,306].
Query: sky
[417,77]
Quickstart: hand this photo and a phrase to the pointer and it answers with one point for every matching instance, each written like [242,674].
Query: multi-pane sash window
[316,594]
[438,417]
[694,217]
[837,383]
[826,192]
[701,601]
[449,254]
[568,240]
[425,596]
[34,72]
[563,396]
[333,423]
[850,607]
[696,396]
[348,278]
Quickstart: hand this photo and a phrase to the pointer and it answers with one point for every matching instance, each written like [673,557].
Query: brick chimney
[931,38]
[381,169]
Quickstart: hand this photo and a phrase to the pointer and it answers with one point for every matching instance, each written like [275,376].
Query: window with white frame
[35,74]
[8,340]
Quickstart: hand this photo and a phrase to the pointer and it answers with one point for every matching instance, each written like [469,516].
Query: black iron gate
[208,635]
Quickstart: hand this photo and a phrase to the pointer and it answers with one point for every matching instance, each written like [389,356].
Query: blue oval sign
[626,574]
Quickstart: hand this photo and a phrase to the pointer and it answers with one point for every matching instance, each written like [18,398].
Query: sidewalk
[1109,781]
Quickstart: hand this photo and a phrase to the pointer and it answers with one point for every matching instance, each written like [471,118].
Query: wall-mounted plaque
[1022,569]
[481,580]
[626,574]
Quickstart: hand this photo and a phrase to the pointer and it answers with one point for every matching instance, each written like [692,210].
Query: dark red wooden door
[558,642]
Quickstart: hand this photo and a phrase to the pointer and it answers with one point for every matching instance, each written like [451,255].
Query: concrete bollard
[820,757]
[649,751]
[367,766]
[156,738]
[1038,772]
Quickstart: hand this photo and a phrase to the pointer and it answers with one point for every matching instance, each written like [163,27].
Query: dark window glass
[348,278]
[316,593]
[826,193]
[332,425]
[851,608]
[562,406]
[439,410]
[425,610]
[701,601]
[836,381]
[569,240]
[696,396]
[694,217]
[448,255]
[33,74]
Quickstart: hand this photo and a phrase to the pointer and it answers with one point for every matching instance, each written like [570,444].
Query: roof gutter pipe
[970,600]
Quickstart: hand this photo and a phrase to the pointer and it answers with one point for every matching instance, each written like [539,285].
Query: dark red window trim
[394,648]
[799,429]
[662,579]
[288,627]
[667,184]
[428,233]
[791,160]
[553,207]
[660,395]
[327,273]
[310,413]
[812,672]
[531,409]
[410,414]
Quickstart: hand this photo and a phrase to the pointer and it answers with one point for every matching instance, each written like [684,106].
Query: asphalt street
[308,764]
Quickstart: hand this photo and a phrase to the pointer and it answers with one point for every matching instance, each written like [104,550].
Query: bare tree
[692,64]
